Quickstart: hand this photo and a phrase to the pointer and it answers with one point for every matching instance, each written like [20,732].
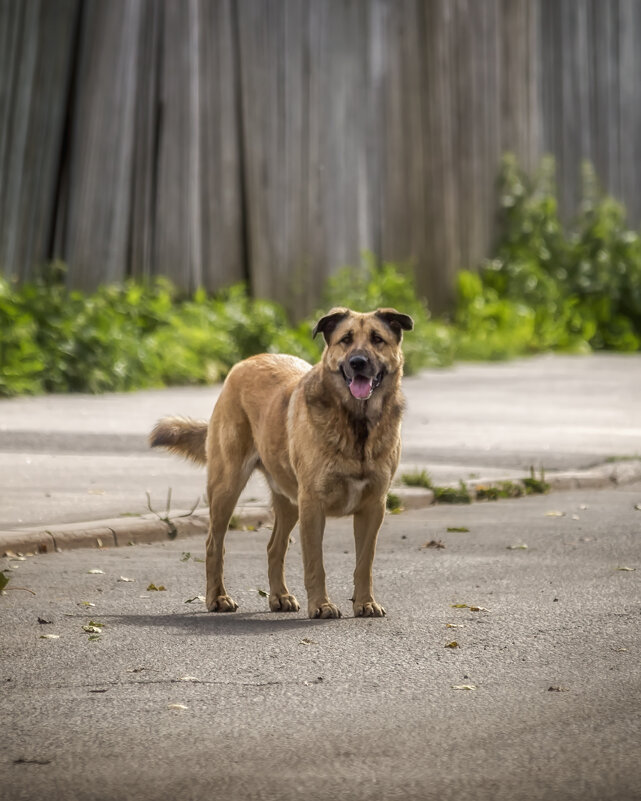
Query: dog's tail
[183,436]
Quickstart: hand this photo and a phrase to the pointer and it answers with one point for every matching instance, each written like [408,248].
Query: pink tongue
[361,387]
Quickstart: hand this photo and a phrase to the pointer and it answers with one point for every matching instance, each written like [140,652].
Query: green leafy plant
[534,485]
[459,494]
[393,503]
[417,478]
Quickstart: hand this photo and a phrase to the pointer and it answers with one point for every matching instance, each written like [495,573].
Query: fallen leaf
[96,572]
[575,517]
[94,637]
[452,644]
[185,556]
[43,622]
[433,544]
[93,628]
[85,603]
[124,578]
[152,588]
[558,689]
[461,529]
[177,706]
[464,687]
[522,547]
[197,598]
[454,625]
[49,636]
[4,580]
[262,593]
[188,678]
[554,513]
[307,641]
[627,569]
[472,608]
[637,506]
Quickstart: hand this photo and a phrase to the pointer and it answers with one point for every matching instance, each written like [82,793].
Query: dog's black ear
[396,321]
[329,322]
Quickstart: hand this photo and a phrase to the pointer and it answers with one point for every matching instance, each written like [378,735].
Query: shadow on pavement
[223,624]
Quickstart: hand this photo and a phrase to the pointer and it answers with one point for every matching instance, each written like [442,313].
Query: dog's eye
[377,340]
[347,339]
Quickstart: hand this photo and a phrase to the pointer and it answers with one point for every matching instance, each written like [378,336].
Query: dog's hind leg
[231,459]
[285,517]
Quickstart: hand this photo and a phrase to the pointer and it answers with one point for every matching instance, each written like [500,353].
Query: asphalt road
[281,707]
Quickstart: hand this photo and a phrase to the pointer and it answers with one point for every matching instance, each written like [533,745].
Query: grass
[393,503]
[417,479]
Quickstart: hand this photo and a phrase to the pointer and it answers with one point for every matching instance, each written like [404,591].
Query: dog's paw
[283,603]
[368,609]
[324,610]
[221,603]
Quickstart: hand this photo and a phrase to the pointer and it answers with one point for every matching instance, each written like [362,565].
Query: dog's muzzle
[355,372]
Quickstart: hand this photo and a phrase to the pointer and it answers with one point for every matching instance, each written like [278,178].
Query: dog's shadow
[221,624]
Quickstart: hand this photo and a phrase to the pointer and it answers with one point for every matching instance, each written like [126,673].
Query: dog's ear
[329,322]
[396,321]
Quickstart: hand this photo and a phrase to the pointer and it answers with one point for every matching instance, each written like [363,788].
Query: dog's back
[248,397]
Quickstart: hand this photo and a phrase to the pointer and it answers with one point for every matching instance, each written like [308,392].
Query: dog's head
[363,349]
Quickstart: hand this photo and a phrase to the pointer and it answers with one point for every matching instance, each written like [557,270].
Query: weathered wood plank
[36,44]
[98,218]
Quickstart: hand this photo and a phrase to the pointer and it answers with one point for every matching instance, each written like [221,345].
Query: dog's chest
[354,489]
[343,494]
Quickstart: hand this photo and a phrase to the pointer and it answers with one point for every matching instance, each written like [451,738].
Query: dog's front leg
[367,522]
[312,527]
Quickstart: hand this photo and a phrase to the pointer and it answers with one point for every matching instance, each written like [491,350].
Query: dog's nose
[357,363]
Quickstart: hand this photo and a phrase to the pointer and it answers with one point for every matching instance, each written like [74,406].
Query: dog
[327,439]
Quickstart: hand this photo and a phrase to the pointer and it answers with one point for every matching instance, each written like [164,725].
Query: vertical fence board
[176,248]
[629,105]
[148,115]
[96,229]
[223,258]
[35,49]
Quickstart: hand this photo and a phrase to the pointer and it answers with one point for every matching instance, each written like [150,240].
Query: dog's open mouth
[362,386]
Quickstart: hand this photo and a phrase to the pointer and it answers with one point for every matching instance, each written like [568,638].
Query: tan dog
[327,439]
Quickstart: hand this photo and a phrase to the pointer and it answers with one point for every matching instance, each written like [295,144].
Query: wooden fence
[275,140]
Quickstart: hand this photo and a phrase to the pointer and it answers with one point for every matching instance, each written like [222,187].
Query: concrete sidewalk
[75,469]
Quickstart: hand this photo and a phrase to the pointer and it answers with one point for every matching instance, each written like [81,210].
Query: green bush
[581,289]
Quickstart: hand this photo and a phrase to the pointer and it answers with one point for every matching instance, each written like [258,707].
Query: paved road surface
[280,707]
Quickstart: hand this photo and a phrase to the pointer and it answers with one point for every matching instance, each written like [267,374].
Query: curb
[118,532]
